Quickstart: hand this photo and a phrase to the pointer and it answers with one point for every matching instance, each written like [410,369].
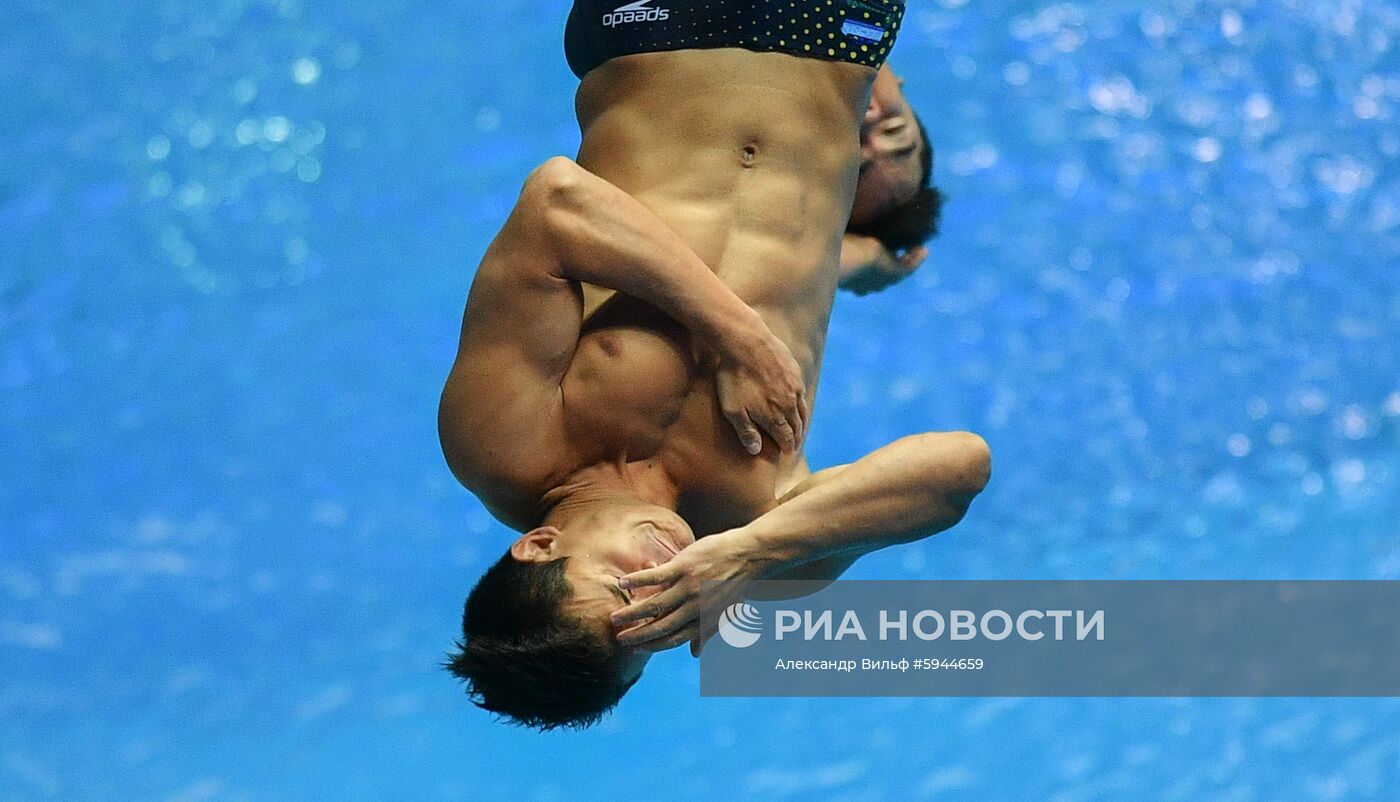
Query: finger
[749,437]
[676,620]
[797,417]
[658,606]
[670,641]
[649,576]
[782,433]
[697,643]
[804,415]
[798,421]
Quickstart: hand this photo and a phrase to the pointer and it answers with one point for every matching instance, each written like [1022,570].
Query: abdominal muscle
[751,159]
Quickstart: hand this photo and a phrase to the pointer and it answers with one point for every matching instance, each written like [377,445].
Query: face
[603,546]
[890,150]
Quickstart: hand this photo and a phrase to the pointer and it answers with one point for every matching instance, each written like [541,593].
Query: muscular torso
[752,158]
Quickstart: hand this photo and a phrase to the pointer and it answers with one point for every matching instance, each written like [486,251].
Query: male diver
[896,207]
[717,172]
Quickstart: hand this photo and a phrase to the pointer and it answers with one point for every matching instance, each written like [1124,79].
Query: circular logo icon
[740,625]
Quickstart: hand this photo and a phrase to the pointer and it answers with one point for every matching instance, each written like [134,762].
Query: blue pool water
[235,238]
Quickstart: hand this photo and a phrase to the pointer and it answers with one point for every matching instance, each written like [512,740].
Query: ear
[539,545]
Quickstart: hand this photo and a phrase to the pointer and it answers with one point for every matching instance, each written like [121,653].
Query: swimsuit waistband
[854,31]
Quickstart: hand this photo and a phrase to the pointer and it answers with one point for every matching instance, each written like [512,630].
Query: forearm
[910,489]
[906,490]
[604,236]
[857,253]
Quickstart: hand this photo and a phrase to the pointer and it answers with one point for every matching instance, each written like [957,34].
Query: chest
[636,390]
[722,486]
[625,386]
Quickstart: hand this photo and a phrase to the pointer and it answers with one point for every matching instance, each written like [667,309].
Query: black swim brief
[855,31]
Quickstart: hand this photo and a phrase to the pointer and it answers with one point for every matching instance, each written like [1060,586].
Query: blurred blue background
[235,239]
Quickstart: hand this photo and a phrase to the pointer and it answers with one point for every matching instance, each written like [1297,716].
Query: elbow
[555,184]
[976,460]
[963,467]
[556,196]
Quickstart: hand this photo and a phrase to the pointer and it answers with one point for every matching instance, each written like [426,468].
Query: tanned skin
[710,192]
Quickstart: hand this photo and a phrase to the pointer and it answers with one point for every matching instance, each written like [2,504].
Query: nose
[872,112]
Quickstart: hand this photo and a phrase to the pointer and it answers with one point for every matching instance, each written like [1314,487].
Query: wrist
[739,333]
[758,558]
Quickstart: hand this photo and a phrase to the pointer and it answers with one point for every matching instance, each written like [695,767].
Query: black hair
[524,658]
[912,222]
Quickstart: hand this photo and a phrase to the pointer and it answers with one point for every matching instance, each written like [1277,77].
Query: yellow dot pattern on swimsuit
[854,31]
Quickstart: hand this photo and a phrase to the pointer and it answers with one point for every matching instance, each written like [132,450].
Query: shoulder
[511,468]
[500,419]
[512,504]
[506,446]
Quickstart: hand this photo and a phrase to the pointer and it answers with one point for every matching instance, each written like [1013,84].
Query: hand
[699,583]
[868,266]
[760,387]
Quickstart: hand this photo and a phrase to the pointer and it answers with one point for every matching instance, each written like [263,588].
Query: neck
[620,484]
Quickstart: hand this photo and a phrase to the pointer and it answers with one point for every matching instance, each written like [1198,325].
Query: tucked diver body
[710,193]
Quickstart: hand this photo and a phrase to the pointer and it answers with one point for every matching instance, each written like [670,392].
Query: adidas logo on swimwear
[640,11]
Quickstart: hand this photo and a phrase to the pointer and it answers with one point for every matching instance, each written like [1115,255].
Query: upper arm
[519,332]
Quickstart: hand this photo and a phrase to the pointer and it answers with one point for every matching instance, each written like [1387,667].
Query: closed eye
[905,152]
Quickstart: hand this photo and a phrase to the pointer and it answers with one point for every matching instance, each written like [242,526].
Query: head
[537,646]
[895,201]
